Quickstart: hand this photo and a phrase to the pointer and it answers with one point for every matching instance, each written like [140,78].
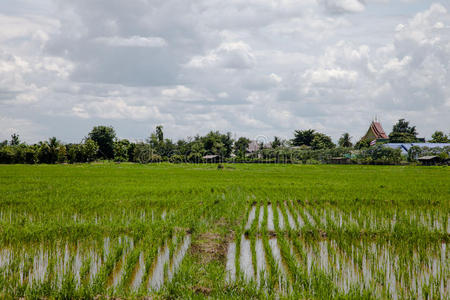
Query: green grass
[56,221]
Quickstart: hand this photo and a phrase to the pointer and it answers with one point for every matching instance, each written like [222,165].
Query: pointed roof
[378,130]
[375,132]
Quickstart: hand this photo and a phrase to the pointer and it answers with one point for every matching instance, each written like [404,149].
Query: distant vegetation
[306,146]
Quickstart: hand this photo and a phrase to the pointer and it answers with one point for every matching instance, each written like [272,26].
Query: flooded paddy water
[53,263]
[380,267]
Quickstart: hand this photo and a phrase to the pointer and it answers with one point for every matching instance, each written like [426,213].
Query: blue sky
[253,67]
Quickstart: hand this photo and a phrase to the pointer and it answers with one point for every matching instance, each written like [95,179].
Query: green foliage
[6,155]
[15,141]
[89,150]
[240,146]
[345,141]
[403,133]
[276,142]
[361,144]
[413,153]
[322,141]
[104,136]
[121,150]
[48,151]
[303,137]
[379,154]
[439,137]
[313,139]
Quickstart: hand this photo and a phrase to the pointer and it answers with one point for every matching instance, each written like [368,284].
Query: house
[429,160]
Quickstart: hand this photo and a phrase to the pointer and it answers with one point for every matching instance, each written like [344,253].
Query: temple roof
[378,130]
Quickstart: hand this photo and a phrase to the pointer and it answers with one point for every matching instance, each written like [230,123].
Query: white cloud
[251,67]
[133,41]
[229,55]
[342,6]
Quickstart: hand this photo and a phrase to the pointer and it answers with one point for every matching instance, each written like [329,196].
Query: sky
[255,68]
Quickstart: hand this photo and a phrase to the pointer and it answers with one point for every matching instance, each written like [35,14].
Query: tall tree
[15,139]
[439,137]
[345,141]
[104,136]
[240,146]
[276,142]
[403,133]
[322,141]
[303,137]
[159,133]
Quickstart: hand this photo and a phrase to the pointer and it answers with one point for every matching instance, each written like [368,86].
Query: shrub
[6,155]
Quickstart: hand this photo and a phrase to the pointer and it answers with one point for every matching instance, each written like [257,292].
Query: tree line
[307,146]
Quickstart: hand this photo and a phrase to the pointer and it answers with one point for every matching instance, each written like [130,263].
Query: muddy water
[139,273]
[251,217]
[261,268]
[291,220]
[280,219]
[117,273]
[96,262]
[157,278]
[270,225]
[179,255]
[273,242]
[245,259]
[310,218]
[78,262]
[231,266]
[261,216]
[40,266]
[300,221]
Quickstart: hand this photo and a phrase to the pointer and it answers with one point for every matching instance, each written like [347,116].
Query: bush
[6,155]
[30,155]
[176,159]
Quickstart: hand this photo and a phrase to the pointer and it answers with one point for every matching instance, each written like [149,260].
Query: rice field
[245,231]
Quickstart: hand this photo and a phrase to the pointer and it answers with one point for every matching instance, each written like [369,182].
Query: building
[375,132]
[404,147]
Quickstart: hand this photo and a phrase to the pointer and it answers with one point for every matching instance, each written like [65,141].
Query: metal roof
[406,146]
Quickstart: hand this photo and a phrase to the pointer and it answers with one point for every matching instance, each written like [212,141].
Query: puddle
[291,220]
[231,265]
[280,219]
[165,266]
[77,263]
[310,218]
[273,242]
[138,273]
[117,273]
[270,225]
[162,260]
[251,217]
[179,255]
[300,221]
[245,261]
[261,216]
[261,269]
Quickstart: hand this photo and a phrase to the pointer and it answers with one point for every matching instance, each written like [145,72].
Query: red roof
[378,130]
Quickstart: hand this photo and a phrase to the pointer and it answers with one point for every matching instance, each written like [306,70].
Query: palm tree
[345,141]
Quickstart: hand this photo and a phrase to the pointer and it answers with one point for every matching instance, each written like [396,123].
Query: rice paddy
[245,231]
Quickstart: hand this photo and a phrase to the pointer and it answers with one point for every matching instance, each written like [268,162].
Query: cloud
[133,41]
[343,6]
[249,67]
[229,55]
